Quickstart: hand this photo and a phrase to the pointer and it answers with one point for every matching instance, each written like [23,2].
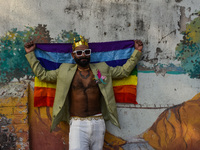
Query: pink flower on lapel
[103,77]
[98,73]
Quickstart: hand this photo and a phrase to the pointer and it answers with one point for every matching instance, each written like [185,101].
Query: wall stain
[77,10]
[174,31]
[7,138]
[127,24]
[178,1]
[183,20]
[140,25]
[70,9]
[158,51]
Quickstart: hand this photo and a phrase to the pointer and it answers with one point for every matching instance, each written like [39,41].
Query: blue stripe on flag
[95,57]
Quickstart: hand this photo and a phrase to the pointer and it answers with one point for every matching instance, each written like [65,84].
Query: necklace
[84,77]
[83,69]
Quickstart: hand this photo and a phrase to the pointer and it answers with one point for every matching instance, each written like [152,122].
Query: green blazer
[63,77]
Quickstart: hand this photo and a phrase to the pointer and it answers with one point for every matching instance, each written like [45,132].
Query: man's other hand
[138,45]
[29,47]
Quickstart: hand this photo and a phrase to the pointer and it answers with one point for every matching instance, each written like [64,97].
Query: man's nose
[83,54]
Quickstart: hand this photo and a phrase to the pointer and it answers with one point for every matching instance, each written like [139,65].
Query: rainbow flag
[52,55]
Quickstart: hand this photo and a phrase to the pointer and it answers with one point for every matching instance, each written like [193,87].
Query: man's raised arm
[29,47]
[138,45]
[125,70]
[39,71]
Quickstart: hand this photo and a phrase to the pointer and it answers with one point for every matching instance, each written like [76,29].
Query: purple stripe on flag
[55,47]
[96,47]
[49,65]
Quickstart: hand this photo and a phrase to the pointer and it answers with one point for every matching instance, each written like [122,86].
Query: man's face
[81,55]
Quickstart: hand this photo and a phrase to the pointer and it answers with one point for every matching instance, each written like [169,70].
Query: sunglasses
[87,52]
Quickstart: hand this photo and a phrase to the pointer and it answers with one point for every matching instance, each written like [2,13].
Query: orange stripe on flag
[43,91]
[125,94]
[44,96]
[125,89]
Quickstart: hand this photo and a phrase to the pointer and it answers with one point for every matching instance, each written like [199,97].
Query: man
[80,100]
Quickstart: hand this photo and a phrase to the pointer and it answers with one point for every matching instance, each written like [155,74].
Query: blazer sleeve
[125,70]
[39,71]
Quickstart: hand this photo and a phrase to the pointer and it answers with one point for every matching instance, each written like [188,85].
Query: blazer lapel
[67,78]
[70,74]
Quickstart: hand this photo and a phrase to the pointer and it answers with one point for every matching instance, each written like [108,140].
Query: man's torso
[84,95]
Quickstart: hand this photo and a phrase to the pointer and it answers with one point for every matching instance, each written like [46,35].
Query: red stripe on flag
[125,98]
[43,101]
[125,94]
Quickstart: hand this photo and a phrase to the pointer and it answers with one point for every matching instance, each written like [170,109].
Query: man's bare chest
[83,81]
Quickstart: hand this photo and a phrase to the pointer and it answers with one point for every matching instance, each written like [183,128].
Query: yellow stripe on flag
[39,83]
[131,80]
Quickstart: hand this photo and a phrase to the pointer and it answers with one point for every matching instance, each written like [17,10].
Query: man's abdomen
[85,102]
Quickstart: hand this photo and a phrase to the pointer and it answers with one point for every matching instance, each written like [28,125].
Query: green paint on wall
[188,50]
[13,64]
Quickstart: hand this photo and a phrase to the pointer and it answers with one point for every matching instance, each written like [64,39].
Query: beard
[81,62]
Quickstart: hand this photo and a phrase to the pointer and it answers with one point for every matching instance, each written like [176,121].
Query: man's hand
[138,45]
[29,47]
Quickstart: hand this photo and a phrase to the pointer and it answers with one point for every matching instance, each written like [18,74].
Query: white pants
[86,134]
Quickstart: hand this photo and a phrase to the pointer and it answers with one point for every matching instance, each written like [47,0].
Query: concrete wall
[163,80]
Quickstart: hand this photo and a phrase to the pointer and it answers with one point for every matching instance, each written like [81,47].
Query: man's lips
[84,59]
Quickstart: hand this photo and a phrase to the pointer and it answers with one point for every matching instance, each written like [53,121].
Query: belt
[87,118]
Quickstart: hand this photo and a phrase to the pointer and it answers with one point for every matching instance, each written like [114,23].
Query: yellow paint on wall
[6,110]
[113,141]
[14,101]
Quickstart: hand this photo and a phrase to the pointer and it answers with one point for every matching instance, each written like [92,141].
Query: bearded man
[79,99]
